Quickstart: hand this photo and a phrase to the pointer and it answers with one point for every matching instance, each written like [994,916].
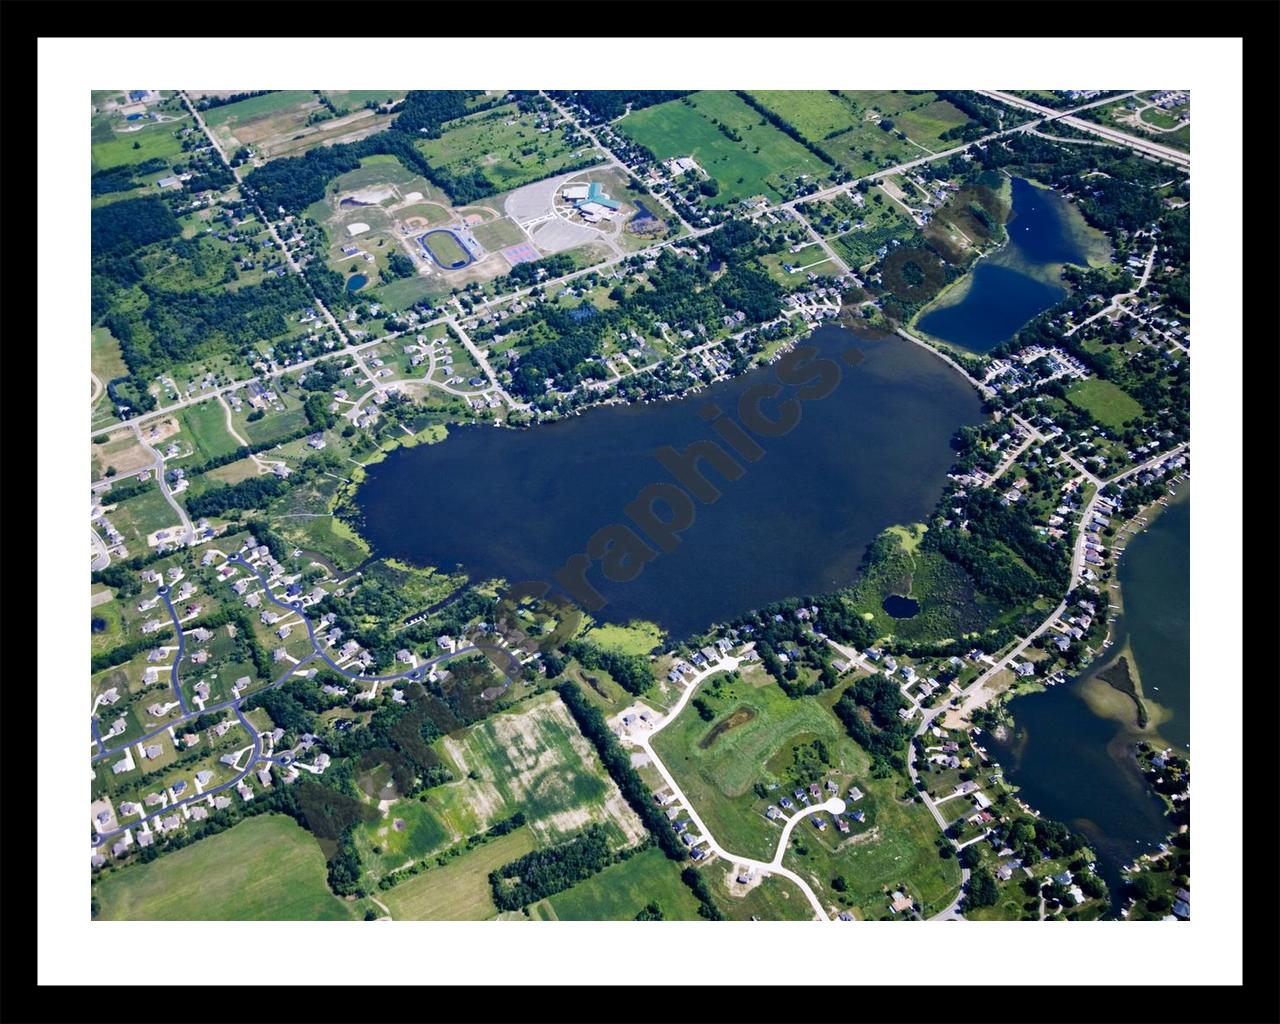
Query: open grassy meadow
[460,890]
[621,891]
[267,868]
[762,160]
[1104,401]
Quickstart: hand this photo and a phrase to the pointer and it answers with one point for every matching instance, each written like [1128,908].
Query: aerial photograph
[637,505]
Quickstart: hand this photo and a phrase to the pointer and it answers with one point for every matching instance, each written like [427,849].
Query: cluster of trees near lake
[630,671]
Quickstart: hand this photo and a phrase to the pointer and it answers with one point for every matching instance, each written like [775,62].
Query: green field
[206,427]
[637,637]
[498,234]
[264,869]
[621,891]
[845,125]
[719,778]
[256,106]
[460,890]
[353,98]
[506,154]
[765,162]
[1104,401]
[531,759]
[156,139]
[774,899]
[138,517]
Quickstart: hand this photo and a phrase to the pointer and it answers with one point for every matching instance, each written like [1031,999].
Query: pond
[356,281]
[516,504]
[1021,280]
[899,607]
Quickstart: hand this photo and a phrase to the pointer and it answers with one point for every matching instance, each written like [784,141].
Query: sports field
[1104,401]
[621,891]
[267,868]
[460,890]
[445,249]
[760,163]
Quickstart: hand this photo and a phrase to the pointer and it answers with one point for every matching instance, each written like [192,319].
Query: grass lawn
[1104,401]
[620,891]
[719,778]
[764,161]
[266,868]
[460,890]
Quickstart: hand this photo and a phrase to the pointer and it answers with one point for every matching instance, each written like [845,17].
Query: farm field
[531,759]
[266,868]
[846,126]
[765,161]
[718,770]
[621,891]
[504,146]
[156,140]
[1104,401]
[460,890]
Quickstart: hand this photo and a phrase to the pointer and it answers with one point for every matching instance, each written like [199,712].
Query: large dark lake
[1018,282]
[517,503]
[1078,767]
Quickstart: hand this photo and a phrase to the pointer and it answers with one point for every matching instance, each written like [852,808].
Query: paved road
[188,531]
[101,557]
[1174,156]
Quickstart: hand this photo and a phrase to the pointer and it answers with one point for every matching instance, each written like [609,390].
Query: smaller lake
[900,607]
[1077,767]
[356,282]
[1018,282]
